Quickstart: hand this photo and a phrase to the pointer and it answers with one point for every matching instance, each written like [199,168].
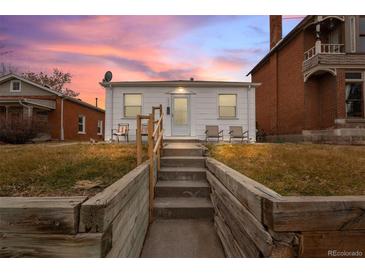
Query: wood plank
[227,240]
[139,230]
[249,192]
[99,211]
[126,221]
[239,234]
[254,229]
[40,214]
[51,245]
[136,250]
[332,243]
[315,213]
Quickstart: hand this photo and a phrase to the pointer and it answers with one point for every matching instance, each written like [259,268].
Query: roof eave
[178,84]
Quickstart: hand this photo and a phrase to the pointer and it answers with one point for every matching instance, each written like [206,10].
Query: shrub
[20,131]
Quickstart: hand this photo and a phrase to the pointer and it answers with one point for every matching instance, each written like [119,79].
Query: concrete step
[181,140]
[182,173]
[183,208]
[188,151]
[182,161]
[182,189]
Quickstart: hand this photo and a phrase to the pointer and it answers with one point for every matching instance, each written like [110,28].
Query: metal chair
[121,131]
[236,132]
[144,130]
[213,132]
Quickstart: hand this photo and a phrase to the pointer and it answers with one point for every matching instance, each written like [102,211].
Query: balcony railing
[320,48]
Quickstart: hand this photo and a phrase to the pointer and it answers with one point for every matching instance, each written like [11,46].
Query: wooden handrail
[157,145]
[157,126]
[155,130]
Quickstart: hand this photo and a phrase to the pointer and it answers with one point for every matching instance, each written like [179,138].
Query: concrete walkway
[183,211]
[182,238]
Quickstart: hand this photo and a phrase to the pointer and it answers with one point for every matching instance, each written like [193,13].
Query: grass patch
[50,170]
[298,169]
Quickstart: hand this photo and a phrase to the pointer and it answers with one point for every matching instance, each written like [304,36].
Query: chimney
[96,102]
[276,26]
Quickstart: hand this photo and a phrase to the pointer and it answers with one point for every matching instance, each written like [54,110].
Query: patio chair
[213,132]
[236,132]
[121,131]
[144,130]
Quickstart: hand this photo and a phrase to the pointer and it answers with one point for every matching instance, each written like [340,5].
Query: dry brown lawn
[51,170]
[298,169]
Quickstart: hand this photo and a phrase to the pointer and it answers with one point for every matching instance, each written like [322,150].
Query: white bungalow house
[188,106]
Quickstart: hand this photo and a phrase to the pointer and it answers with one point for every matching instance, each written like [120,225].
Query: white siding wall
[203,107]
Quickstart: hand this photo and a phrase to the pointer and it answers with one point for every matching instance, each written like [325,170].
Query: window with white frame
[81,124]
[227,105]
[15,86]
[354,94]
[132,105]
[100,127]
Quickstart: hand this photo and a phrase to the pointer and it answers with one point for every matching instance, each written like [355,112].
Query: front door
[180,116]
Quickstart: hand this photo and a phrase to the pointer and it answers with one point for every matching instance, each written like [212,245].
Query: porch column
[27,112]
[7,113]
[30,112]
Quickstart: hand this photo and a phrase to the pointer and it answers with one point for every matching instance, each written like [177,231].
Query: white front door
[180,115]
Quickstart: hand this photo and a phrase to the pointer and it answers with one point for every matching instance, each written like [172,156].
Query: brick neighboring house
[313,80]
[66,118]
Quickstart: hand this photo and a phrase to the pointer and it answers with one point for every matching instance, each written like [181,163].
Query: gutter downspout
[62,135]
[28,107]
[248,112]
[112,111]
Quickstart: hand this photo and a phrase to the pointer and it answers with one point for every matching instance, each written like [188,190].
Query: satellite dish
[108,76]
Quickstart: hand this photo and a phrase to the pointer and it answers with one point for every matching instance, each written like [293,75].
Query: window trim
[361,35]
[83,124]
[354,80]
[361,17]
[235,108]
[124,106]
[100,126]
[358,81]
[11,86]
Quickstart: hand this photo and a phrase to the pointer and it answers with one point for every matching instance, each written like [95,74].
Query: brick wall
[291,87]
[71,113]
[341,97]
[266,96]
[328,100]
[280,98]
[312,104]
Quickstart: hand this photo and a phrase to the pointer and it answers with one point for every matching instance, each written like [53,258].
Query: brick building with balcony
[312,81]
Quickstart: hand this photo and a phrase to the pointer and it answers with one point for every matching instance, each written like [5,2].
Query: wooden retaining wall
[113,223]
[254,221]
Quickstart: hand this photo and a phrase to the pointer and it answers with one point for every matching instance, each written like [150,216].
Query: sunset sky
[136,47]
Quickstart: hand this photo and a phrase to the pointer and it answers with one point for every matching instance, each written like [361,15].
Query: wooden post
[161,114]
[152,166]
[139,140]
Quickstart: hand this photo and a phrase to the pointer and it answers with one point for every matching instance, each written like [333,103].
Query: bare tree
[5,67]
[56,81]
